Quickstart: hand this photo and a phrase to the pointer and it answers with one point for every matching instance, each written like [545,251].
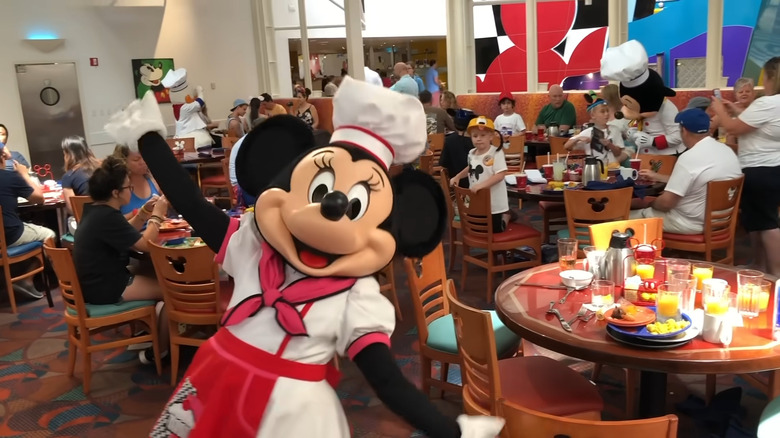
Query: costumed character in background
[152,77]
[644,98]
[325,220]
[187,106]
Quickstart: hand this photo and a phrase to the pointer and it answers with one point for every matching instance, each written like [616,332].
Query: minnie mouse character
[325,220]
[644,98]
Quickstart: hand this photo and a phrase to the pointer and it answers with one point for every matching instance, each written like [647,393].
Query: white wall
[213,40]
[398,18]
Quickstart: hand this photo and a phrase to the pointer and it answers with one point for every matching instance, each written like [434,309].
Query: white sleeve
[519,124]
[499,161]
[760,112]
[369,318]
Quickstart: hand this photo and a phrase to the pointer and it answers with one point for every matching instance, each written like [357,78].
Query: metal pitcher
[618,262]
[553,130]
[592,170]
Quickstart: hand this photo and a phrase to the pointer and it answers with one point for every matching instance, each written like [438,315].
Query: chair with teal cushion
[32,253]
[769,423]
[67,237]
[85,320]
[435,330]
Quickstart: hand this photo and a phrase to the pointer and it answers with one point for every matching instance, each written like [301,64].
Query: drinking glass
[685,283]
[702,271]
[558,168]
[715,296]
[593,258]
[602,293]
[667,303]
[766,291]
[749,292]
[567,253]
[677,266]
[645,269]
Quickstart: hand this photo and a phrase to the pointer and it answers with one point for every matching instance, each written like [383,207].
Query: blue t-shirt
[430,80]
[76,180]
[16,156]
[136,202]
[420,84]
[12,186]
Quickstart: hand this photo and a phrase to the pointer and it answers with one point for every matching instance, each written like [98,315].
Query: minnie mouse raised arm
[325,220]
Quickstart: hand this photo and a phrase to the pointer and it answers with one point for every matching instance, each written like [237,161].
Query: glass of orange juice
[715,296]
[668,302]
[763,297]
[645,268]
[702,271]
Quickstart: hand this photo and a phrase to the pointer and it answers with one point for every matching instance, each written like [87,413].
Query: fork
[580,314]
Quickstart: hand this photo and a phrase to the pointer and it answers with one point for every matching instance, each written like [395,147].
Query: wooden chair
[454,220]
[536,382]
[228,143]
[515,153]
[435,329]
[220,182]
[22,253]
[527,423]
[660,164]
[426,162]
[556,146]
[477,225]
[187,142]
[588,207]
[85,320]
[77,204]
[644,230]
[435,146]
[553,212]
[426,278]
[720,222]
[189,279]
[386,279]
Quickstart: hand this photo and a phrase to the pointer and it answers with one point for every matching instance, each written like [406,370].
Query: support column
[613,21]
[304,44]
[532,55]
[371,57]
[461,59]
[352,10]
[714,57]
[265,51]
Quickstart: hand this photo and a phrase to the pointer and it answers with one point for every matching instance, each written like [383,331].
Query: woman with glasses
[145,190]
[103,241]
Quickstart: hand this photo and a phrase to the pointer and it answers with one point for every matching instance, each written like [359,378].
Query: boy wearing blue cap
[600,141]
[683,201]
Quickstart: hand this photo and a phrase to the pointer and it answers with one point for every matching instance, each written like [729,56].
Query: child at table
[486,169]
[509,123]
[600,141]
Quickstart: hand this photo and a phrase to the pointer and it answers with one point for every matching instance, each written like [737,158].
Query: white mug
[717,329]
[628,172]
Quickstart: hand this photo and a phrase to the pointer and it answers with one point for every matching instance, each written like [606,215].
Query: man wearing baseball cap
[235,123]
[682,203]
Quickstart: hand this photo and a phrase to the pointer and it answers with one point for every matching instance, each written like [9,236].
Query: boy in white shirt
[486,169]
[600,141]
[509,123]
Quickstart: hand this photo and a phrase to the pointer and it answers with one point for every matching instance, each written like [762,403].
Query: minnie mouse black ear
[419,213]
[590,97]
[268,149]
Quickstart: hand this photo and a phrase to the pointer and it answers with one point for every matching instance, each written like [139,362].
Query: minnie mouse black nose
[334,205]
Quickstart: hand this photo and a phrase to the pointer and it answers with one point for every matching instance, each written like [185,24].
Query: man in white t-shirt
[682,204]
[509,123]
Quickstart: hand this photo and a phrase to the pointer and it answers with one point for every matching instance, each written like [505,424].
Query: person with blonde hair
[448,101]
[758,129]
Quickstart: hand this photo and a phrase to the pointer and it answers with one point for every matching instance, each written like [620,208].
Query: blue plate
[174,242]
[642,331]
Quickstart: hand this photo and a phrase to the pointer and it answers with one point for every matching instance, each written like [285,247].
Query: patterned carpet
[38,399]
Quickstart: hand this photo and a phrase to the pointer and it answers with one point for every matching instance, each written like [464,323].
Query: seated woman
[102,244]
[145,188]
[80,162]
[304,110]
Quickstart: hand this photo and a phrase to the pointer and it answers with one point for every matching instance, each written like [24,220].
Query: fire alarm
[93,62]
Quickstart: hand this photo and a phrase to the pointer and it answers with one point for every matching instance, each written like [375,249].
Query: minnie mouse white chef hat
[389,125]
[175,80]
[626,63]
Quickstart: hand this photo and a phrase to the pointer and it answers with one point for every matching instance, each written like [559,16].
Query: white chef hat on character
[175,80]
[626,63]
[388,125]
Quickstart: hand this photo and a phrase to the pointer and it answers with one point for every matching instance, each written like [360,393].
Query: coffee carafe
[553,130]
[592,170]
[618,262]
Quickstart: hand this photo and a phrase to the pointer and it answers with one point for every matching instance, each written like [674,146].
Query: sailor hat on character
[175,80]
[389,125]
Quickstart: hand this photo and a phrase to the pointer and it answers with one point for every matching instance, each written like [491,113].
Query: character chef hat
[175,80]
[626,63]
[386,124]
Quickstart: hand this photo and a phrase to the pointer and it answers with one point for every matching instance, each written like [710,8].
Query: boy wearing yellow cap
[486,169]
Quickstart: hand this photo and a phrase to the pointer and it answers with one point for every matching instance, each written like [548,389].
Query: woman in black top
[103,241]
[80,162]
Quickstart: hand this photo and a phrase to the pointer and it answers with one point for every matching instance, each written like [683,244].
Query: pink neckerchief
[271,270]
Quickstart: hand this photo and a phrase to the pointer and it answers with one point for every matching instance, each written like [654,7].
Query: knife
[555,312]
[546,286]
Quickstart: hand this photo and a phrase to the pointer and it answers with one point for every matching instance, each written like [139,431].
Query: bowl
[576,278]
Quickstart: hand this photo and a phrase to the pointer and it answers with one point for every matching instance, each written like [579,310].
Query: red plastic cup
[636,163]
[540,132]
[548,171]
[522,180]
[529,135]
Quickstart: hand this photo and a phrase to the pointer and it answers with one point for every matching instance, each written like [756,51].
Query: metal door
[51,109]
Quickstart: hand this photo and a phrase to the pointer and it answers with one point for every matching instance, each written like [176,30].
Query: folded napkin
[535,176]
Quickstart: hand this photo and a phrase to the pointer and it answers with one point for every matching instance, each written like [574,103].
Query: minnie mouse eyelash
[324,161]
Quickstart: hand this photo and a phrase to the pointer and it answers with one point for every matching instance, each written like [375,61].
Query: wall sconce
[45,45]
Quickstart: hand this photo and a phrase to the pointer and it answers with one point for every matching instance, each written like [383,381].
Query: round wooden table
[537,192]
[523,309]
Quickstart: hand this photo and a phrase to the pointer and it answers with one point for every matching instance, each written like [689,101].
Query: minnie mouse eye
[358,201]
[321,185]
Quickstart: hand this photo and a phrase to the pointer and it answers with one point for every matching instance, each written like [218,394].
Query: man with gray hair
[559,111]
[405,83]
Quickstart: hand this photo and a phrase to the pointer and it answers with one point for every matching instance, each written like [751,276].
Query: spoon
[570,290]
